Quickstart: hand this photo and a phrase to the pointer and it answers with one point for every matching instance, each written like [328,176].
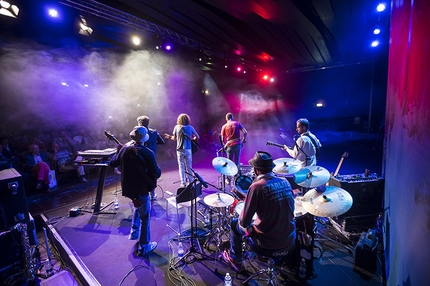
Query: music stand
[190,193]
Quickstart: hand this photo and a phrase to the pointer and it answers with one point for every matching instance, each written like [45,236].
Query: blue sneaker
[147,248]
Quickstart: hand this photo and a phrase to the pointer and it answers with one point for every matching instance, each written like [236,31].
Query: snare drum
[239,209]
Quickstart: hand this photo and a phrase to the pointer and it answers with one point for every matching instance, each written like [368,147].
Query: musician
[305,144]
[183,133]
[230,137]
[154,140]
[139,171]
[271,198]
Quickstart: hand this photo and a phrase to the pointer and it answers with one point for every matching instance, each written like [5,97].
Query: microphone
[200,179]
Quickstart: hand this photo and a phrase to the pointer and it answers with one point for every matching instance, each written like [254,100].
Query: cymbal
[311,176]
[286,166]
[224,166]
[219,200]
[333,202]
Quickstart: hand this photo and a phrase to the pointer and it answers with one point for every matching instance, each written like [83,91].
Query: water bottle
[227,280]
[48,268]
[180,250]
[302,269]
[115,203]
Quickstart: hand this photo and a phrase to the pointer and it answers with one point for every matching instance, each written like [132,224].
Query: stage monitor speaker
[13,201]
[367,194]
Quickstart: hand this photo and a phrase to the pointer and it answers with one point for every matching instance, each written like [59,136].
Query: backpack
[317,148]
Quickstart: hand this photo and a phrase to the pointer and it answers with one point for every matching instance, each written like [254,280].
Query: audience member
[65,160]
[37,165]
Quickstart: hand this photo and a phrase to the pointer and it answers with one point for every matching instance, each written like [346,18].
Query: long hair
[183,119]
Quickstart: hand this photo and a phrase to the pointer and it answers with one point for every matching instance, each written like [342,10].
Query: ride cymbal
[225,166]
[311,176]
[286,166]
[333,202]
[219,200]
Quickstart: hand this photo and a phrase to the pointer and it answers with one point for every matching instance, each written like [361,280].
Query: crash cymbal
[286,166]
[218,200]
[224,166]
[311,176]
[333,202]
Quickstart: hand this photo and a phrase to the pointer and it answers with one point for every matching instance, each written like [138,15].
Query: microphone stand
[194,242]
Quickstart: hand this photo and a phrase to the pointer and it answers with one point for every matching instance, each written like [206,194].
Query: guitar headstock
[345,154]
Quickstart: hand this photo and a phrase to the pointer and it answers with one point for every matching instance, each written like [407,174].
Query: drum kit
[318,200]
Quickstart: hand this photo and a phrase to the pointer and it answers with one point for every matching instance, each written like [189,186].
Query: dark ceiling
[277,35]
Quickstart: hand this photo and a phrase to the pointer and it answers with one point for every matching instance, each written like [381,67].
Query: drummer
[271,198]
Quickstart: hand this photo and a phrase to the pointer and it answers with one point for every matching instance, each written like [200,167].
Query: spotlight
[53,13]
[136,40]
[381,7]
[8,9]
[377,30]
[375,43]
[168,47]
[84,29]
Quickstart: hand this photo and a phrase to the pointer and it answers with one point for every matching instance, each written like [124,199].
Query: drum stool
[275,257]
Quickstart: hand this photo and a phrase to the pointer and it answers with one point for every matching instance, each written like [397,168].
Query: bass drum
[242,183]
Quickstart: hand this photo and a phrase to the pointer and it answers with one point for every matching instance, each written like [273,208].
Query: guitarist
[154,140]
[183,133]
[139,170]
[305,144]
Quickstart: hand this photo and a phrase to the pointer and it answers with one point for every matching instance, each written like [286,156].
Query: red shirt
[230,132]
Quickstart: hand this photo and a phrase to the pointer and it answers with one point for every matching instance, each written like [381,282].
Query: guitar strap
[298,147]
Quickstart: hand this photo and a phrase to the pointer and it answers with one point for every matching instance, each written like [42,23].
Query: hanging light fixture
[84,29]
[8,9]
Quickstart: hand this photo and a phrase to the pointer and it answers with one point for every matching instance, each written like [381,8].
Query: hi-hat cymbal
[333,202]
[224,166]
[218,200]
[311,176]
[286,166]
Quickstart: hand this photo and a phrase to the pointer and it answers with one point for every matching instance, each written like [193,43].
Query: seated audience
[64,141]
[64,160]
[82,138]
[37,166]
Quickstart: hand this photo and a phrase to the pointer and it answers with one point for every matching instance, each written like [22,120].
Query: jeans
[141,220]
[233,153]
[237,233]
[185,162]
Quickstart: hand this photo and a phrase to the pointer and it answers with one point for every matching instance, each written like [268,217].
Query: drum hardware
[332,202]
[311,176]
[286,166]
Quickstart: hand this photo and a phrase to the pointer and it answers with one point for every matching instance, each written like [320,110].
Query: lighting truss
[118,16]
[8,9]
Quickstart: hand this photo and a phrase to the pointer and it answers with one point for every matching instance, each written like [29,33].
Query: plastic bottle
[115,203]
[180,249]
[302,269]
[227,280]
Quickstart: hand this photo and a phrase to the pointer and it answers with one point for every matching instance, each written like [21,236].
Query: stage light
[168,47]
[377,30]
[375,43]
[136,40]
[239,69]
[53,13]
[84,29]
[381,7]
[8,9]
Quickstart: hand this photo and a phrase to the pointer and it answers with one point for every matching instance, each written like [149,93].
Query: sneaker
[133,236]
[153,198]
[147,248]
[237,266]
[84,180]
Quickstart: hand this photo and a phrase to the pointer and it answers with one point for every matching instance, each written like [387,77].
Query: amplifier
[367,193]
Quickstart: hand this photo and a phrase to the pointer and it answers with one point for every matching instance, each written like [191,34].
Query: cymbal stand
[326,237]
[195,248]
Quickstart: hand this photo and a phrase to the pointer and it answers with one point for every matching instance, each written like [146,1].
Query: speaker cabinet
[13,201]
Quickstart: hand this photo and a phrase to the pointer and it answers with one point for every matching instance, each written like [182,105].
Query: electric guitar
[270,143]
[345,154]
[111,137]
